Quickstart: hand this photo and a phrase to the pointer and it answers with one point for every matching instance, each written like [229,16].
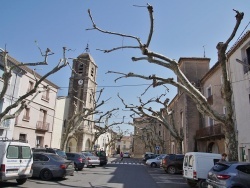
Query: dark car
[51,150]
[49,165]
[229,175]
[102,156]
[78,159]
[149,156]
[172,163]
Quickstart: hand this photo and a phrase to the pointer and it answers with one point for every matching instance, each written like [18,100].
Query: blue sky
[181,29]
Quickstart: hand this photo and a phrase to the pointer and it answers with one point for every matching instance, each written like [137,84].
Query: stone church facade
[81,93]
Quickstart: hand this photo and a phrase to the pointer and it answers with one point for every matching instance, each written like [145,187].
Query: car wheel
[154,165]
[202,184]
[46,175]
[171,170]
[21,181]
[79,169]
[191,184]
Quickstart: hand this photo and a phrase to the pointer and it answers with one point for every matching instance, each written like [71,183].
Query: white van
[15,161]
[196,166]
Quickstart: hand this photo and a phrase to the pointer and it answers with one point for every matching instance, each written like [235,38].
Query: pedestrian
[121,155]
[223,157]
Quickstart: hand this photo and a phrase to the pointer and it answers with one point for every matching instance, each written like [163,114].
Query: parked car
[126,155]
[78,159]
[91,159]
[172,163]
[149,156]
[15,161]
[49,165]
[156,161]
[51,150]
[229,175]
[196,166]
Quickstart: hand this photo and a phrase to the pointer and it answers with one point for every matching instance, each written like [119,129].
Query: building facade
[35,122]
[149,136]
[239,71]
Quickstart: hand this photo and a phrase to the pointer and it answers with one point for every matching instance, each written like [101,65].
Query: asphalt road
[129,173]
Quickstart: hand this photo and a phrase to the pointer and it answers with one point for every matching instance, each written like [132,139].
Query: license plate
[209,186]
[70,166]
[11,171]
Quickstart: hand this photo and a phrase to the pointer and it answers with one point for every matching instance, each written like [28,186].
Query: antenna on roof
[204,54]
[87,48]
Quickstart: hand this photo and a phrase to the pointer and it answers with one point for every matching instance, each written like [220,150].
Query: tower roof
[86,56]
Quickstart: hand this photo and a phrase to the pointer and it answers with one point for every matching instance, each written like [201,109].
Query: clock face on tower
[80,82]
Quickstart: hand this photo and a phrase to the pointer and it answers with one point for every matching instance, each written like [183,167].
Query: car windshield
[61,153]
[220,167]
[56,158]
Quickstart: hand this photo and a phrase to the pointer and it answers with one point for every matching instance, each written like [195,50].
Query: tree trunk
[178,146]
[231,144]
[63,142]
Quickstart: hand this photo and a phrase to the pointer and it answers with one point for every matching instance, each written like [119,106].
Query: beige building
[35,123]
[186,116]
[12,93]
[62,103]
[239,72]
[210,135]
[149,136]
[125,144]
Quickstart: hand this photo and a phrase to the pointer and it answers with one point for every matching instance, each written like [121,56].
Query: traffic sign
[157,147]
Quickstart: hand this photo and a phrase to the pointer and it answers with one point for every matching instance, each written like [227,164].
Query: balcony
[45,98]
[214,131]
[42,126]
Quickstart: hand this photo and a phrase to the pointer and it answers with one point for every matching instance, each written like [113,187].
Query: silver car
[91,159]
[156,161]
[229,175]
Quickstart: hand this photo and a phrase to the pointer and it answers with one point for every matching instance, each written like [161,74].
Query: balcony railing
[209,132]
[42,126]
[46,98]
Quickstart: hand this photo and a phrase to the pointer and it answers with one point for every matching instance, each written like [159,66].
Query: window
[159,133]
[12,152]
[18,152]
[1,105]
[1,71]
[22,137]
[209,91]
[90,98]
[31,86]
[191,161]
[43,115]
[181,119]
[39,141]
[210,121]
[26,115]
[92,72]
[45,95]
[26,153]
[246,66]
[244,168]
[224,110]
[80,68]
